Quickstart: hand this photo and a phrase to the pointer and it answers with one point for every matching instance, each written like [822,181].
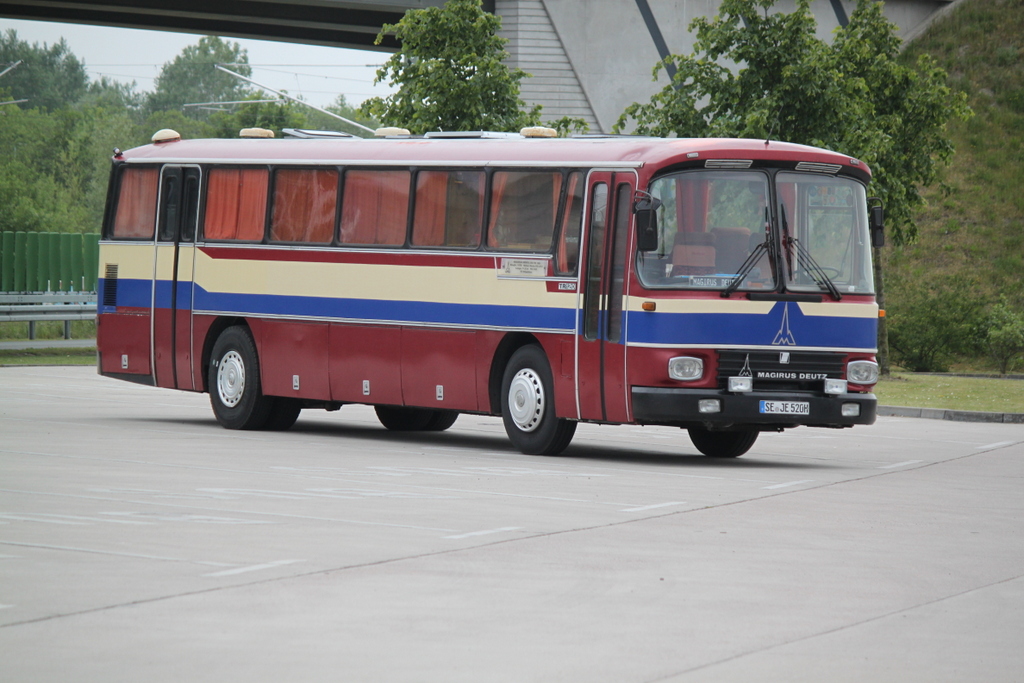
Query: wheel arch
[509,345]
[216,329]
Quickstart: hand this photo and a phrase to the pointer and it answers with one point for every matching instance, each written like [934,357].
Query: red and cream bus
[721,286]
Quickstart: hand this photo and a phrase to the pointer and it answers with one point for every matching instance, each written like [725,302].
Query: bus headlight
[685,368]
[862,372]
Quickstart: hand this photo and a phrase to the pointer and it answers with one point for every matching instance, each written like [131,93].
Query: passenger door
[174,264]
[602,393]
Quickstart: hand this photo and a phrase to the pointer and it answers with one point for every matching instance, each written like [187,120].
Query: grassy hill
[971,242]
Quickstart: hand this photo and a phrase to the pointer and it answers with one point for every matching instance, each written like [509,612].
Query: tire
[723,444]
[284,414]
[234,381]
[441,420]
[528,405]
[399,419]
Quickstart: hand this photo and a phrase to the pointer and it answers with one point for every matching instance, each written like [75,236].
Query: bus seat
[693,254]
[731,248]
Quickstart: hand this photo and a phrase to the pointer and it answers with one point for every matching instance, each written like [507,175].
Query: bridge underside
[588,60]
[344,23]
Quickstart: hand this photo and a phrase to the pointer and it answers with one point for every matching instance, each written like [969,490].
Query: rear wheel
[284,414]
[528,406]
[400,419]
[723,444]
[234,381]
[442,420]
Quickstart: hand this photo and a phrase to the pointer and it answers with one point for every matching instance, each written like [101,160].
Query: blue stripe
[752,329]
[422,312]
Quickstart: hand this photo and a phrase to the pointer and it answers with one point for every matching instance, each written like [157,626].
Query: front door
[601,342]
[177,217]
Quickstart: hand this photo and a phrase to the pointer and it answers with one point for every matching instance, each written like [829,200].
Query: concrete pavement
[140,541]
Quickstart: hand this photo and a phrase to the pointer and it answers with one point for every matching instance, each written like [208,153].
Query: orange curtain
[569,235]
[136,203]
[236,204]
[304,205]
[375,207]
[428,223]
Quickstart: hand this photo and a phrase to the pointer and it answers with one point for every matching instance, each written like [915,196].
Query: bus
[722,286]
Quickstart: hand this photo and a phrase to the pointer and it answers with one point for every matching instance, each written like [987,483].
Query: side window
[449,209]
[595,261]
[375,207]
[190,204]
[617,281]
[523,207]
[236,204]
[568,254]
[305,205]
[136,204]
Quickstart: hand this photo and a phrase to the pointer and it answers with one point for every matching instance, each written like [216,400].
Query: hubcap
[231,379]
[526,400]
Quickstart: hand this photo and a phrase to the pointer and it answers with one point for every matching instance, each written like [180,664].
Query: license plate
[786,407]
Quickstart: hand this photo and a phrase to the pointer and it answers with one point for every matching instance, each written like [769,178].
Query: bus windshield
[824,224]
[716,232]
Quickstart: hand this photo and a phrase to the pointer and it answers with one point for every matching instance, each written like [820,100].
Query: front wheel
[528,406]
[234,381]
[723,444]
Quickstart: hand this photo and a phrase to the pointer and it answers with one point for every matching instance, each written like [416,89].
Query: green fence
[48,262]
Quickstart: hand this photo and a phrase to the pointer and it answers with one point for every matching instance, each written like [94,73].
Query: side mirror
[877,226]
[646,211]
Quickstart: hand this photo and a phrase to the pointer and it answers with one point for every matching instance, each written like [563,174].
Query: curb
[951,415]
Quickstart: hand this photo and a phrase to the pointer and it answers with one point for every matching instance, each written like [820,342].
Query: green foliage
[933,322]
[450,74]
[853,96]
[49,77]
[274,116]
[192,78]
[1005,335]
[53,167]
[973,224]
[567,125]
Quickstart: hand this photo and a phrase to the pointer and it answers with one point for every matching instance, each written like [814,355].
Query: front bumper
[678,407]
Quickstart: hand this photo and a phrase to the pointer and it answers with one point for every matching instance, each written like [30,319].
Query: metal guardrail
[42,307]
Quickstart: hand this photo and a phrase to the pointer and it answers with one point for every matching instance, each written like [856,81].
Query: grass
[80,329]
[952,393]
[72,356]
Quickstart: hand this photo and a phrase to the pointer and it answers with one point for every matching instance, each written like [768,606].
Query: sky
[318,73]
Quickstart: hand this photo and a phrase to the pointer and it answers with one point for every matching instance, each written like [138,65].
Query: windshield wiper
[804,258]
[751,261]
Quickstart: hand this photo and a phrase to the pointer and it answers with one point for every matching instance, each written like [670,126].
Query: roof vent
[165,135]
[815,167]
[728,163]
[390,132]
[538,132]
[470,135]
[255,133]
[313,134]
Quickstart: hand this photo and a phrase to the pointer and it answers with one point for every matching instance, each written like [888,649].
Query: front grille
[781,370]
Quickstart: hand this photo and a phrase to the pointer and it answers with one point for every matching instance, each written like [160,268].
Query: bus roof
[590,152]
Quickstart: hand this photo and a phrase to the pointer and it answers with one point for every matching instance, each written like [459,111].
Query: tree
[275,116]
[1005,335]
[49,76]
[450,74]
[192,77]
[853,96]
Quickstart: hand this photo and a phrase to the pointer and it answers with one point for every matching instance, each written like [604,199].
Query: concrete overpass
[588,59]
